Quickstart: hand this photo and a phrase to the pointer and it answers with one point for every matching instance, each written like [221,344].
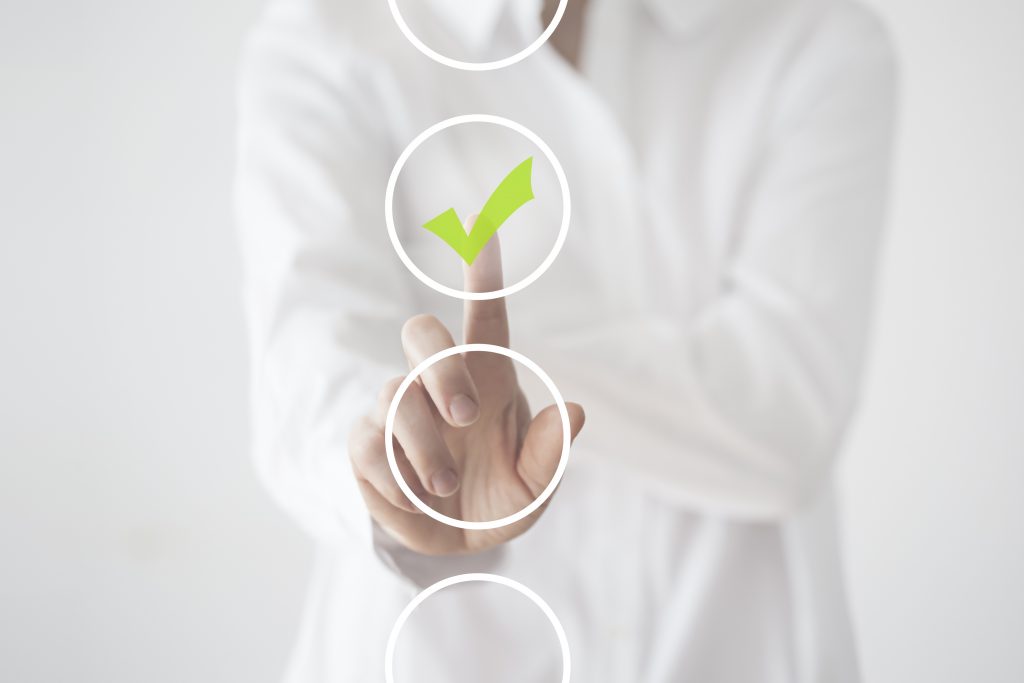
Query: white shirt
[728,164]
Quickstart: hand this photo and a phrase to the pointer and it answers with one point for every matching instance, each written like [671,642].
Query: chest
[657,139]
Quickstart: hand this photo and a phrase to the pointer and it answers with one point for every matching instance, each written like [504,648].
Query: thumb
[542,447]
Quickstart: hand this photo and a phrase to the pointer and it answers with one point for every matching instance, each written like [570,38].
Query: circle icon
[389,207]
[396,13]
[389,431]
[563,642]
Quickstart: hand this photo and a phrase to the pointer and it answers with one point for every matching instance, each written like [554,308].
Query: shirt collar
[475,21]
[685,17]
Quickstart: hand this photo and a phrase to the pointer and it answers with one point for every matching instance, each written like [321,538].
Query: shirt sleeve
[323,290]
[322,293]
[740,412]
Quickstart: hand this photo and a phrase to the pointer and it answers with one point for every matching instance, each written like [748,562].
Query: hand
[464,438]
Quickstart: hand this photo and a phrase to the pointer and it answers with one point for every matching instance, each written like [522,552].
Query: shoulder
[321,65]
[333,42]
[832,51]
[835,32]
[847,27]
[773,44]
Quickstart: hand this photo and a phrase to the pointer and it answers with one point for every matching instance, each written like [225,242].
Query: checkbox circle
[563,642]
[389,207]
[450,62]
[389,433]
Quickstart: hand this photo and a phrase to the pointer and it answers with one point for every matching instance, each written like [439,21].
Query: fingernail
[445,482]
[464,410]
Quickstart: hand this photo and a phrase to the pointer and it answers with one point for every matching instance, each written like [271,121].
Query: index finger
[485,322]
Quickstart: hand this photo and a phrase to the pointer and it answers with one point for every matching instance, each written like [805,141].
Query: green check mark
[514,191]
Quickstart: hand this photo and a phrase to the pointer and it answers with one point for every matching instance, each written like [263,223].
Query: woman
[728,165]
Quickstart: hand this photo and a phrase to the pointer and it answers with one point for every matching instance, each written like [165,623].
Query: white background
[136,544]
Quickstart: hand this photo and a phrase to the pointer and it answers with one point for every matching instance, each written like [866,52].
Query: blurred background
[136,543]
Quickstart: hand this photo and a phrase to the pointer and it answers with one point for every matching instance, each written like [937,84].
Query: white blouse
[727,162]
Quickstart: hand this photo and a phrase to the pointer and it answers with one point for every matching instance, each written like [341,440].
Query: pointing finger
[485,322]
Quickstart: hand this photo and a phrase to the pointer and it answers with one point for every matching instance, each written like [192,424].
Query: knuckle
[355,434]
[415,390]
[396,496]
[364,444]
[388,391]
[419,325]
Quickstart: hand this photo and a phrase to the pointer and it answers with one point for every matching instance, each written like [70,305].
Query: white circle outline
[563,642]
[389,431]
[476,66]
[389,209]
